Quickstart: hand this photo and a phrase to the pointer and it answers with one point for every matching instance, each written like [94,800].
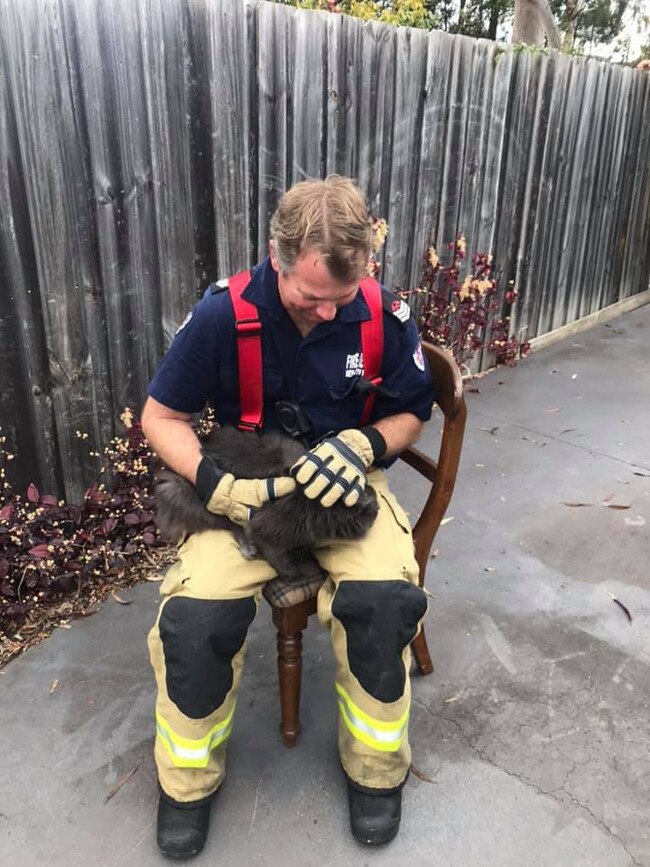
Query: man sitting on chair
[342,369]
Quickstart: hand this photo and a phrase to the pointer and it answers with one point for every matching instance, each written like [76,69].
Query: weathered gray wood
[410,79]
[167,75]
[144,145]
[42,88]
[27,419]
[232,65]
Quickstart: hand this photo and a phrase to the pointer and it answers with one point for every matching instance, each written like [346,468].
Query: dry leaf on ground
[421,775]
[119,599]
[624,608]
[116,788]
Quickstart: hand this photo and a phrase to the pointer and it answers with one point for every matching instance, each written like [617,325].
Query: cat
[282,531]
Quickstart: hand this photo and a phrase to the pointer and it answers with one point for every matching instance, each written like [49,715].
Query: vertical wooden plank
[433,148]
[491,157]
[561,239]
[375,101]
[603,243]
[343,55]
[539,287]
[230,69]
[452,175]
[166,69]
[401,257]
[201,143]
[273,79]
[26,415]
[479,110]
[579,225]
[308,95]
[636,262]
[630,121]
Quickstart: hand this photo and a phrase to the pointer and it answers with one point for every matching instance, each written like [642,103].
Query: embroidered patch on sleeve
[418,357]
[400,310]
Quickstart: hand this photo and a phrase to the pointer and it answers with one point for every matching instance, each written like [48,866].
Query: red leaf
[39,551]
[95,495]
[148,538]
[6,512]
[131,518]
[49,500]
[109,525]
[33,494]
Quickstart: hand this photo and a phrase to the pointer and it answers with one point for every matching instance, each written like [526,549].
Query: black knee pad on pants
[200,638]
[380,618]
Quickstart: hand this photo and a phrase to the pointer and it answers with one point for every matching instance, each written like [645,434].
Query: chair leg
[290,673]
[421,653]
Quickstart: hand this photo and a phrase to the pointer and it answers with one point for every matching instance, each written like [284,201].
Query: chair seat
[280,593]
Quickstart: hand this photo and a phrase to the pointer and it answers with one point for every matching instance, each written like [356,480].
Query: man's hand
[336,468]
[223,494]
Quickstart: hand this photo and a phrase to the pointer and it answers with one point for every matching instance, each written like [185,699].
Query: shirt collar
[263,292]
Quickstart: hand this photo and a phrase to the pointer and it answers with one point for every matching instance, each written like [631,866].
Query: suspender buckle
[248,426]
[248,327]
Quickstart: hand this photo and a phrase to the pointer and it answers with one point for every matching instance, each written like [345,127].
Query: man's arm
[170,435]
[400,431]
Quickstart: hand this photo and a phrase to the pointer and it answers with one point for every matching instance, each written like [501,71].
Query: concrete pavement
[534,727]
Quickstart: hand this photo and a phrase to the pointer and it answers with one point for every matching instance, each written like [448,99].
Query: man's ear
[274,260]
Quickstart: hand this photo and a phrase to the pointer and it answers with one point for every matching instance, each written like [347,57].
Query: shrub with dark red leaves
[464,314]
[50,548]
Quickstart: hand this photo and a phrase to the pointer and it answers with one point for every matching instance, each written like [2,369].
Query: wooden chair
[291,618]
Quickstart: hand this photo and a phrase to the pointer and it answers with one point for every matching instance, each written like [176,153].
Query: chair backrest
[442,473]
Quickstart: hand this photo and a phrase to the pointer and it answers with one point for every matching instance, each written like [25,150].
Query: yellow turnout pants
[370,603]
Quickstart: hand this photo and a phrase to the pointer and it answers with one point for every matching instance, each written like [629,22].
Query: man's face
[309,293]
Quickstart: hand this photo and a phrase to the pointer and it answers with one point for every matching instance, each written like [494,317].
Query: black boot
[182,829]
[374,818]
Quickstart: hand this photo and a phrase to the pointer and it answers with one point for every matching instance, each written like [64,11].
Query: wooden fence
[144,145]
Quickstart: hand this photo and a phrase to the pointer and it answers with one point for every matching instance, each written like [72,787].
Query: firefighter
[308,328]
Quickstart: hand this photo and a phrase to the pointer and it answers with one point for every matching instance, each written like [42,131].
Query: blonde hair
[328,216]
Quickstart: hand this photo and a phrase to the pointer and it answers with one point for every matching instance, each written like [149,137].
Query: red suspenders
[372,342]
[249,349]
[249,353]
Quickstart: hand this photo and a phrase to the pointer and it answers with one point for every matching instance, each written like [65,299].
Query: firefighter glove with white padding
[223,494]
[335,469]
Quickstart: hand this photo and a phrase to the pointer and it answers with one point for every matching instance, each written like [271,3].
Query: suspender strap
[249,353]
[372,341]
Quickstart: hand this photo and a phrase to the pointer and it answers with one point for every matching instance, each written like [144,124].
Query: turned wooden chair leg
[421,653]
[290,623]
[290,673]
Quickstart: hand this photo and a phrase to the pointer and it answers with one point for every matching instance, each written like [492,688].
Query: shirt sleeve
[188,372]
[405,372]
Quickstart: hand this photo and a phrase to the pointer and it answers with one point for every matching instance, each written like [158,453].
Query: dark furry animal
[282,531]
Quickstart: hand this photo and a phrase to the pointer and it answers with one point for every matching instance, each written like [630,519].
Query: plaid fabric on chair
[283,594]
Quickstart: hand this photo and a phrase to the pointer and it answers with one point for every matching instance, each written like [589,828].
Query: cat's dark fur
[282,531]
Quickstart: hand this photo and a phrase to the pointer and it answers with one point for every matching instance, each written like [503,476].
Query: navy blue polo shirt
[319,371]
